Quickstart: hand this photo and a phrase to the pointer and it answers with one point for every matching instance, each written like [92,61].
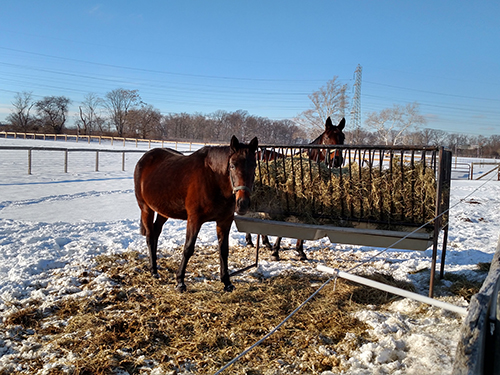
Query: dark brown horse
[332,135]
[208,185]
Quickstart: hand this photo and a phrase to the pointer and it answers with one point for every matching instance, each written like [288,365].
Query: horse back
[175,185]
[153,160]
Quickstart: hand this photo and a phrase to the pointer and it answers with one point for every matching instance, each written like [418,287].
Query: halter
[240,187]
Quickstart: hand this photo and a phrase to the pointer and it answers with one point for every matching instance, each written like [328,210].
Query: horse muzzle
[242,196]
[337,161]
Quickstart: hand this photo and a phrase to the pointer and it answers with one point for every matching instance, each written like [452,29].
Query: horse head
[242,163]
[332,135]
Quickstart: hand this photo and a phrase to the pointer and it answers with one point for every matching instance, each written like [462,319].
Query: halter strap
[237,188]
[242,187]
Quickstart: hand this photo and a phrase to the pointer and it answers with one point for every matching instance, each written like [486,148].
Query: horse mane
[317,140]
[216,158]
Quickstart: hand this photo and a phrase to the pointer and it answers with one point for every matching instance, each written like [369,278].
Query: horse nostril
[242,206]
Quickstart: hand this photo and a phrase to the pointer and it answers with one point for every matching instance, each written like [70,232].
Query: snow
[52,224]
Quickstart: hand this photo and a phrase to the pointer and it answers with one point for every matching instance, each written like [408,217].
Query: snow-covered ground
[55,223]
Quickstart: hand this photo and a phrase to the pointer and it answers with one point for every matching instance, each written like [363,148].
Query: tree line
[122,113]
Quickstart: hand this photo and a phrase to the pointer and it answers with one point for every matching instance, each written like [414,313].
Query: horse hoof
[229,288]
[302,257]
[155,275]
[275,257]
[250,244]
[181,288]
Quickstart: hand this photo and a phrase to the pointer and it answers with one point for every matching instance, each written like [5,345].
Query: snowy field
[52,225]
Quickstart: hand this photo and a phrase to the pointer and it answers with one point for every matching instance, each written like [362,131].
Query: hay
[462,286]
[483,266]
[298,189]
[141,322]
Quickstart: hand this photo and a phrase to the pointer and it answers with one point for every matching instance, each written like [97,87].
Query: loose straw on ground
[334,277]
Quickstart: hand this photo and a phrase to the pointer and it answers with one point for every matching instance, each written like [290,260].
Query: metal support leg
[443,254]
[237,272]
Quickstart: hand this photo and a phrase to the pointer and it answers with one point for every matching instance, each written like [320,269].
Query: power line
[160,71]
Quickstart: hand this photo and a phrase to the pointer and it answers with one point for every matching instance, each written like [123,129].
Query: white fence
[37,153]
[191,146]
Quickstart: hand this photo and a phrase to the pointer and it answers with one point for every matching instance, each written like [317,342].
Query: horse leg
[153,243]
[300,250]
[265,242]
[223,228]
[248,239]
[192,230]
[147,229]
[153,231]
[276,248]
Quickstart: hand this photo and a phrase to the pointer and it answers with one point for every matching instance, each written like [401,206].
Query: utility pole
[356,101]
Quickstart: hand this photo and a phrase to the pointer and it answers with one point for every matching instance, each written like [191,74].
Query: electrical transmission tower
[356,100]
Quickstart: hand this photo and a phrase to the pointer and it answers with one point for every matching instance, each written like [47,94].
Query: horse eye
[231,166]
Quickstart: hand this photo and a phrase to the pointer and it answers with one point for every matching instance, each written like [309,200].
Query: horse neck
[217,159]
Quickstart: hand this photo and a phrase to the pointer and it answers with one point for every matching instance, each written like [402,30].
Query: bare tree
[90,120]
[143,122]
[391,124]
[52,111]
[20,118]
[119,102]
[330,100]
[429,137]
[177,125]
[360,136]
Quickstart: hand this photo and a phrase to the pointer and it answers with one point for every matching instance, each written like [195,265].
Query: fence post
[29,161]
[123,161]
[97,161]
[65,161]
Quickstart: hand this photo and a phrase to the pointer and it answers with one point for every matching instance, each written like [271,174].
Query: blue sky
[264,57]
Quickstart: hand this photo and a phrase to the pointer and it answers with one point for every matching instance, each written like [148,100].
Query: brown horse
[208,185]
[332,135]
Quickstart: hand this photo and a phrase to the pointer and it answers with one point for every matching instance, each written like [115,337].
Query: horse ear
[235,144]
[341,124]
[328,123]
[254,143]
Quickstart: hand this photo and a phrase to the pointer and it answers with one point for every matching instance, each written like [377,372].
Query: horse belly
[166,201]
